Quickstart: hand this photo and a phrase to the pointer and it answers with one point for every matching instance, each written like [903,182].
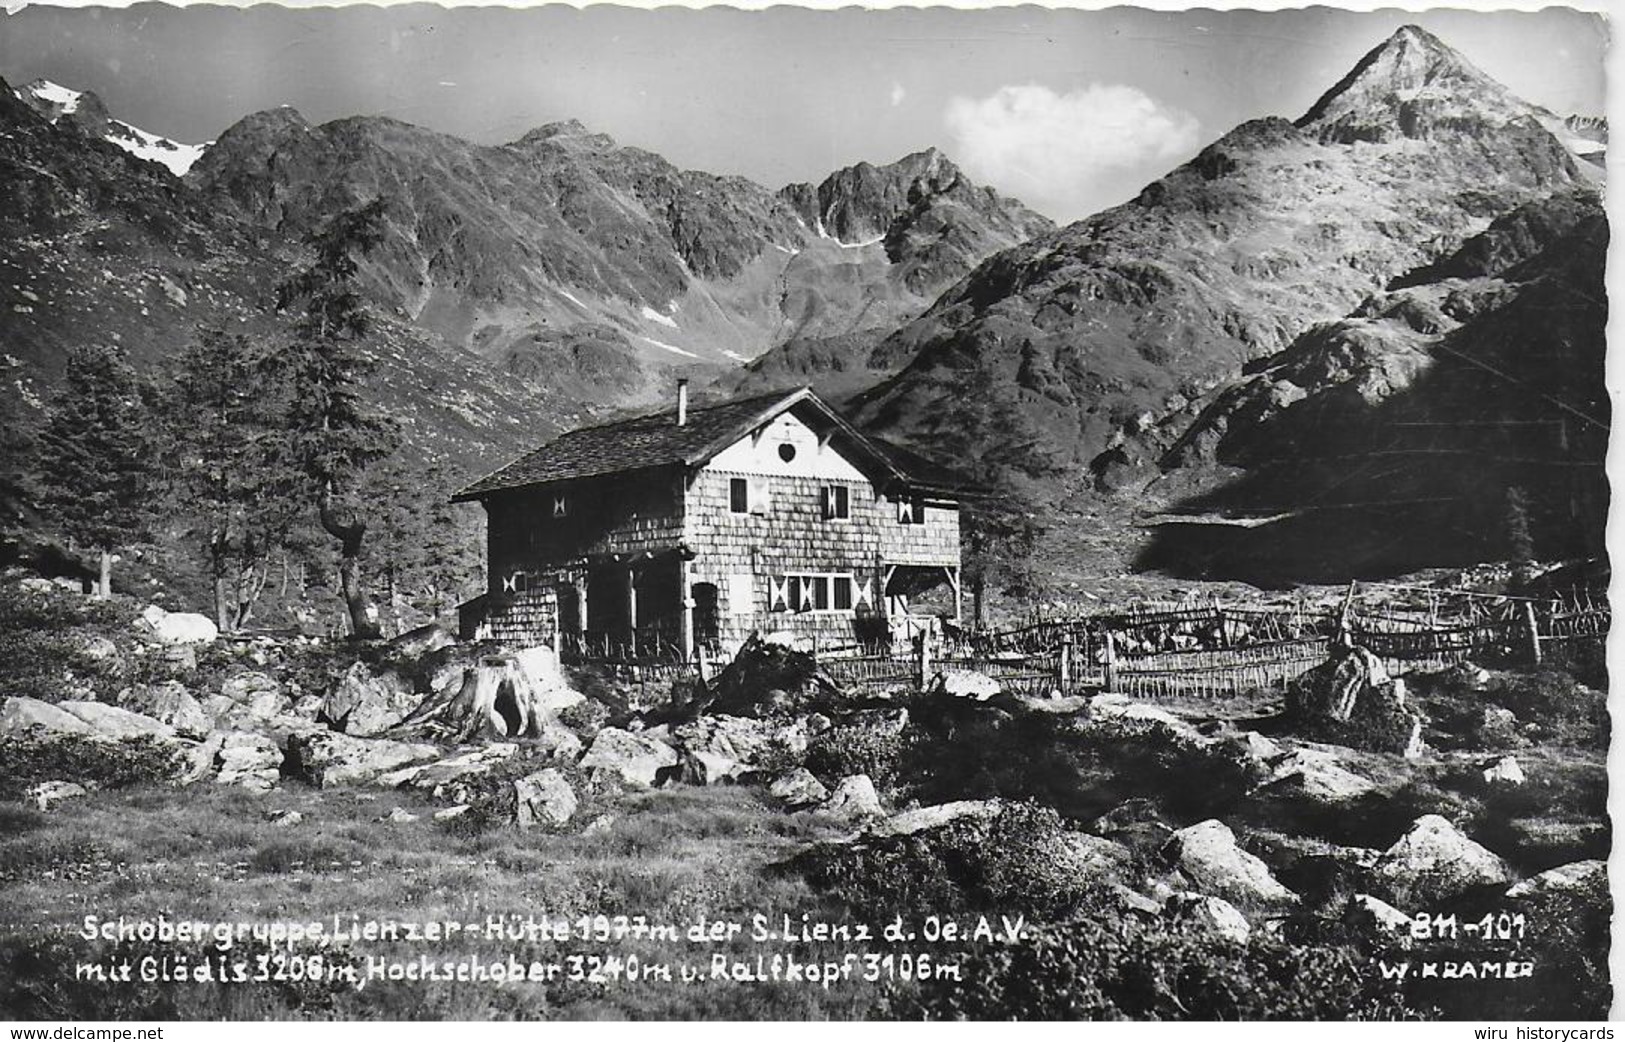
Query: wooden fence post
[922,660]
[1064,664]
[1111,661]
[1533,625]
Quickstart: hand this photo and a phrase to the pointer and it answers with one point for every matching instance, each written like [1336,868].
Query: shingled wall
[795,537]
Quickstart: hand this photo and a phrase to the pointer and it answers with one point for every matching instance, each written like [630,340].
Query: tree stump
[496,700]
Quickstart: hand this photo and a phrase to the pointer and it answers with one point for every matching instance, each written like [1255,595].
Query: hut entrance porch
[626,609]
[911,587]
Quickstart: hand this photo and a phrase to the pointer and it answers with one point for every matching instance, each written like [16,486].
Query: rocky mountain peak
[1416,86]
[82,108]
[570,134]
[861,202]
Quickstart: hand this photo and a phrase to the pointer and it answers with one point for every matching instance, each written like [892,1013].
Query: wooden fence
[1210,651]
[1218,651]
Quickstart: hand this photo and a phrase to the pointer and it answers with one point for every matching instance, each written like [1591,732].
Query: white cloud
[897,94]
[1068,154]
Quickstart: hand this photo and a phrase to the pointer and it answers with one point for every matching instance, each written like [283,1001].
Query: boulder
[543,798]
[922,819]
[853,800]
[284,818]
[19,714]
[798,788]
[771,677]
[700,767]
[635,758]
[112,722]
[1376,915]
[1572,876]
[1118,709]
[1091,857]
[1208,855]
[177,627]
[1207,913]
[454,779]
[399,816]
[249,760]
[48,794]
[100,649]
[452,812]
[1498,727]
[246,699]
[365,704]
[1316,774]
[599,825]
[328,758]
[202,760]
[742,739]
[967,684]
[1350,699]
[169,702]
[1504,771]
[1434,862]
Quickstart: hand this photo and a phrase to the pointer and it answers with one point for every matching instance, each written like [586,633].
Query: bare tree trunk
[222,614]
[350,531]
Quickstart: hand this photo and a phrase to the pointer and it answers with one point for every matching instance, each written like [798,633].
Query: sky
[1071,111]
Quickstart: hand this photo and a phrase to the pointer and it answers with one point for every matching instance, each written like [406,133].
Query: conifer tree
[228,467]
[95,467]
[333,433]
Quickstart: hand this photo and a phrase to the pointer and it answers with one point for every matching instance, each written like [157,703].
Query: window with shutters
[761,495]
[837,503]
[738,496]
[818,592]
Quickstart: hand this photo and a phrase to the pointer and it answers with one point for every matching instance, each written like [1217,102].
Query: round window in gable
[787,452]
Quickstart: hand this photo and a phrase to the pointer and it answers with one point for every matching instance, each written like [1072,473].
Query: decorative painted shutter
[511,583]
[559,506]
[806,594]
[761,495]
[781,594]
[865,598]
[829,501]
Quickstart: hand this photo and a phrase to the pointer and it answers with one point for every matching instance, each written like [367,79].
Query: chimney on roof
[682,402]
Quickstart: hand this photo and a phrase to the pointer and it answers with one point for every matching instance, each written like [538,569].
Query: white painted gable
[786,435]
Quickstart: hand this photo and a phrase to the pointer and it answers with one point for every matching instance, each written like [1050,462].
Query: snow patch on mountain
[54,101]
[54,94]
[654,316]
[139,143]
[673,348]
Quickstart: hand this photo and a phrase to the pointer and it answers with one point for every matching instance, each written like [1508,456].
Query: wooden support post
[1533,625]
[922,660]
[581,604]
[1064,664]
[685,618]
[703,665]
[1111,661]
[632,607]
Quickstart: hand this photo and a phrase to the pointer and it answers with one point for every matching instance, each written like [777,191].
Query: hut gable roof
[656,440]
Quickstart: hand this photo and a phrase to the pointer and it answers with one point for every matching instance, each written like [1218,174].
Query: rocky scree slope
[607,267]
[104,247]
[1102,326]
[1389,438]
